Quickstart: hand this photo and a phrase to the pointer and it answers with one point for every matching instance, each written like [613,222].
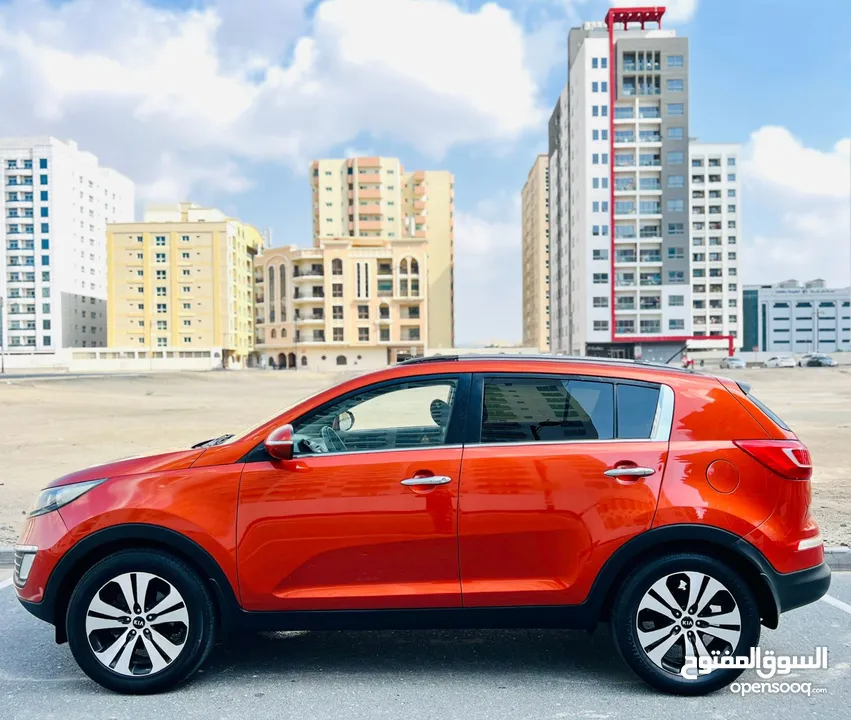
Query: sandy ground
[51,427]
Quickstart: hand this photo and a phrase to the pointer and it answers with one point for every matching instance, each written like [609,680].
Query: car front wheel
[140,621]
[678,608]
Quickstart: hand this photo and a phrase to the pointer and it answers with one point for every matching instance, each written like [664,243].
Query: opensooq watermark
[767,664]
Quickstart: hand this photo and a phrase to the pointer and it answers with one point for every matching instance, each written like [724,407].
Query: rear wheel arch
[698,539]
[95,547]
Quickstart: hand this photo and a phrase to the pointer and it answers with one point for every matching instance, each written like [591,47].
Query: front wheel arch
[108,541]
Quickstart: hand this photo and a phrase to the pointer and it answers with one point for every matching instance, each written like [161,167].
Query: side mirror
[279,443]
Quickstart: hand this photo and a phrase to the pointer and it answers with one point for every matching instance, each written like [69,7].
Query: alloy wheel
[687,614]
[137,624]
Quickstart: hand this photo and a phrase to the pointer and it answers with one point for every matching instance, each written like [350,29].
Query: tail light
[788,458]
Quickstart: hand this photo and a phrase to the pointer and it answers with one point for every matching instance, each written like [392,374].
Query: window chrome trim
[306,456]
[536,443]
[664,419]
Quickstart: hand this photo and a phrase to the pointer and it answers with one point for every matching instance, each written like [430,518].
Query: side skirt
[539,617]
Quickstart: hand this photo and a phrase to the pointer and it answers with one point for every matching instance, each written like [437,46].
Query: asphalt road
[408,675]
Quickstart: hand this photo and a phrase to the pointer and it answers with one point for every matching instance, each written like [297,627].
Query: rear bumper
[796,589]
[793,589]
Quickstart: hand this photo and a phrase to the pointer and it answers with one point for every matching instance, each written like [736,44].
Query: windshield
[242,434]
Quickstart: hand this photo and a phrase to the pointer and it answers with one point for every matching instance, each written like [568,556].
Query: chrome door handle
[629,472]
[428,480]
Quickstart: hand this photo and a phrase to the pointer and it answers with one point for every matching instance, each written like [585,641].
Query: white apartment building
[620,193]
[56,202]
[794,318]
[715,215]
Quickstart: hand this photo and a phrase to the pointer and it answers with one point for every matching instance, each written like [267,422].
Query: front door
[364,516]
[566,469]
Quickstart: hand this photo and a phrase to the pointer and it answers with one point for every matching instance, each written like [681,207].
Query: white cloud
[778,159]
[137,84]
[799,198]
[488,293]
[677,12]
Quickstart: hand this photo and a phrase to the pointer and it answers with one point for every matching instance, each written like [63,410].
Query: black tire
[197,639]
[624,621]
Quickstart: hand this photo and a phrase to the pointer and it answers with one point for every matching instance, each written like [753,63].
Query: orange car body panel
[538,521]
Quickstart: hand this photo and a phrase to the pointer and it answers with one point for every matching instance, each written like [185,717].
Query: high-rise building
[56,203]
[354,302]
[789,317]
[715,216]
[373,197]
[536,255]
[620,201]
[183,279]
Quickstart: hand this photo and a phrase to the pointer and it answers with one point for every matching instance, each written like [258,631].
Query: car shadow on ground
[578,655]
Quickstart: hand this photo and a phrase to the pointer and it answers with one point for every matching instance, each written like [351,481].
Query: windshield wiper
[215,441]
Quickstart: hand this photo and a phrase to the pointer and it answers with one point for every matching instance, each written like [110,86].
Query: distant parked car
[780,361]
[821,361]
[733,363]
[804,359]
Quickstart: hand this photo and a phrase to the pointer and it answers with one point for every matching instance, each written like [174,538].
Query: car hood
[177,460]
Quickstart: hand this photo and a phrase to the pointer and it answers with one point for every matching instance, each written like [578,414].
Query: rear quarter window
[636,411]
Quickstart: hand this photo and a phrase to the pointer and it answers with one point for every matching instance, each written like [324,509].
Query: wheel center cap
[138,622]
[687,622]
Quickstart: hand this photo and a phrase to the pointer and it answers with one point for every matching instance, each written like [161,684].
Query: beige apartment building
[374,198]
[182,281]
[347,302]
[536,256]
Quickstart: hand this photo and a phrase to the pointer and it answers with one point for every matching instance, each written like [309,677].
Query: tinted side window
[636,411]
[546,409]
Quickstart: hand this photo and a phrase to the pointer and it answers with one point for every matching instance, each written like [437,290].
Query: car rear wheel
[678,608]
[140,621]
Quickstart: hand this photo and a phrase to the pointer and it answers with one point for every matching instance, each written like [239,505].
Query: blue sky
[225,102]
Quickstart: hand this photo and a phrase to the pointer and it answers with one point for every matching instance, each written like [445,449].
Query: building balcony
[310,320]
[367,178]
[419,205]
[308,275]
[306,299]
[371,209]
[369,225]
[367,162]
[369,194]
[419,190]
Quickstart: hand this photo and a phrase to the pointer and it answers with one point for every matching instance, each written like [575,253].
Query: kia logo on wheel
[138,622]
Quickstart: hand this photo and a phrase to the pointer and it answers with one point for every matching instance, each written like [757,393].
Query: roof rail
[545,358]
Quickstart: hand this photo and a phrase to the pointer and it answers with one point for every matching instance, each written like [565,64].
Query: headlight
[54,498]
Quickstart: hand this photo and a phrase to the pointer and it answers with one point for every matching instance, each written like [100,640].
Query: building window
[675,108]
[160,240]
[162,324]
[601,278]
[162,342]
[675,158]
[45,227]
[674,61]
[42,163]
[593,65]
[675,205]
[604,62]
[676,133]
[337,335]
[337,290]
[161,291]
[731,162]
[676,181]
[595,87]
[731,177]
[676,228]
[601,301]
[161,308]
[601,325]
[363,334]
[676,277]
[42,179]
[600,254]
[676,300]
[363,312]
[160,257]
[676,324]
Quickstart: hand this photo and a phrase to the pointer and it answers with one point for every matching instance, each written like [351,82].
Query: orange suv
[445,492]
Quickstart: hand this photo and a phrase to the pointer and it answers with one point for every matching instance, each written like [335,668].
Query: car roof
[511,358]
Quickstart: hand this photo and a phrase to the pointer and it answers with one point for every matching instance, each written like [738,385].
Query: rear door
[558,471]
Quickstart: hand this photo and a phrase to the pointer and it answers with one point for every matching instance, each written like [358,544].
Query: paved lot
[427,675]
